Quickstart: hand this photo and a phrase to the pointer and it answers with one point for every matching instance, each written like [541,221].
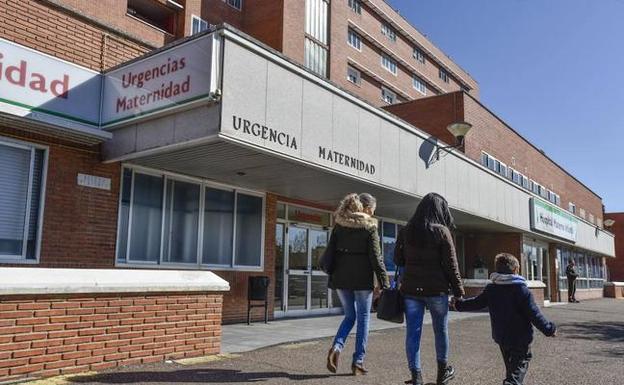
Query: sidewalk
[240,338]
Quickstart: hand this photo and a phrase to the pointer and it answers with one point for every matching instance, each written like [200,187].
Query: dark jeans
[516,363]
[571,289]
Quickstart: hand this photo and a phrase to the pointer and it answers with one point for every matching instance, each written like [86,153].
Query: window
[353,75]
[419,55]
[531,185]
[388,96]
[444,75]
[543,192]
[582,213]
[356,6]
[591,218]
[153,13]
[21,190]
[198,24]
[419,85]
[238,4]
[525,182]
[503,169]
[491,163]
[316,40]
[572,208]
[557,200]
[388,63]
[165,219]
[354,40]
[388,32]
[484,159]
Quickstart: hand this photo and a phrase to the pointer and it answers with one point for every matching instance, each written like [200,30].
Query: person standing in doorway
[426,250]
[572,275]
[357,259]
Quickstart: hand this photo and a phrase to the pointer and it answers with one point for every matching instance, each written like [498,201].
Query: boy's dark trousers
[571,288]
[516,360]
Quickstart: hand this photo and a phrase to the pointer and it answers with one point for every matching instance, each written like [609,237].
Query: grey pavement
[589,349]
[241,338]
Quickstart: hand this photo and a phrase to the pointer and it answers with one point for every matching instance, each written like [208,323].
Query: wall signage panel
[42,87]
[552,220]
[172,77]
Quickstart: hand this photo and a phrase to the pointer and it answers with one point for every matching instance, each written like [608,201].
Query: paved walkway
[589,350]
[241,338]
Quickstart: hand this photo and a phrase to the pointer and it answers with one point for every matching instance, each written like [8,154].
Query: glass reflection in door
[297,268]
[318,293]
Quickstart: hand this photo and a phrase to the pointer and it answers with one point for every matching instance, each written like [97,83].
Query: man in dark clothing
[572,274]
[513,313]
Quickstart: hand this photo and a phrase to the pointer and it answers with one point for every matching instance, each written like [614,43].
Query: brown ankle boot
[358,369]
[332,359]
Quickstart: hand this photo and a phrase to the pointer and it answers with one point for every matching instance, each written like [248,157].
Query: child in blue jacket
[513,313]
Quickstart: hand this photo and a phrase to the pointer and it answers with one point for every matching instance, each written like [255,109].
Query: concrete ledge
[616,284]
[23,280]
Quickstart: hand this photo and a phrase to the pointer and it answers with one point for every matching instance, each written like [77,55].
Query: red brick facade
[492,135]
[47,336]
[615,265]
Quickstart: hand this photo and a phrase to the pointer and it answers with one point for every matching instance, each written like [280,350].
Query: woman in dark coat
[357,260]
[426,250]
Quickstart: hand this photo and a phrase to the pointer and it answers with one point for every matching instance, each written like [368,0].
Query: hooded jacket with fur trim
[357,254]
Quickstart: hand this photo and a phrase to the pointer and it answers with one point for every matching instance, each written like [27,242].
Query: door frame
[284,312]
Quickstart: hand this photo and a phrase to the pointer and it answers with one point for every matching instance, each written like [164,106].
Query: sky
[552,69]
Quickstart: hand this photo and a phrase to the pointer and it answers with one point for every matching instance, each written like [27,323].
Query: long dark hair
[424,226]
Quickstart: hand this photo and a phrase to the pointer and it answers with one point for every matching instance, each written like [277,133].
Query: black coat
[354,243]
[430,269]
[513,313]
[571,272]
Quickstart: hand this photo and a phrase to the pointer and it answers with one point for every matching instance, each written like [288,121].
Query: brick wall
[47,336]
[615,265]
[79,223]
[265,21]
[47,28]
[487,245]
[493,136]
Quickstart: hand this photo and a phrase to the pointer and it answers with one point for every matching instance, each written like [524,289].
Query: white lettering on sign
[34,83]
[552,220]
[172,77]
[94,181]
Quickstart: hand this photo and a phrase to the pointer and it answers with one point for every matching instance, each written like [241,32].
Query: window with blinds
[21,179]
[317,39]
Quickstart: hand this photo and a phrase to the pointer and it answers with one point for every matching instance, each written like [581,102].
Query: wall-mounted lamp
[608,222]
[459,130]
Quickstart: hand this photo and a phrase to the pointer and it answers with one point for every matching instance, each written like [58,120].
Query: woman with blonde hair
[357,259]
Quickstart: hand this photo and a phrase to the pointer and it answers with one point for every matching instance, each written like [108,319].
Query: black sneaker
[445,373]
[416,378]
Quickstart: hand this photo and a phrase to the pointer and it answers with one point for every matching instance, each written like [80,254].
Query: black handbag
[390,306]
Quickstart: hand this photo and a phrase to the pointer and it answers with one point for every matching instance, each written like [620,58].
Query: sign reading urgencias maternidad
[176,76]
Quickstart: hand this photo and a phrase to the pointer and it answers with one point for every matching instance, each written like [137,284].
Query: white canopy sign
[552,220]
[40,86]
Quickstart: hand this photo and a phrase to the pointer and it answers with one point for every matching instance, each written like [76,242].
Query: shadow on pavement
[208,376]
[602,331]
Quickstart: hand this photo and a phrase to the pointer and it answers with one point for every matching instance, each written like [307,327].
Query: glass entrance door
[305,284]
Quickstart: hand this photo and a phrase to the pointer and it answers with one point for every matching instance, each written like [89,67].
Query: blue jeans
[357,306]
[414,313]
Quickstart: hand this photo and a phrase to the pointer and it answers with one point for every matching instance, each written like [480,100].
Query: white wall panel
[390,162]
[369,149]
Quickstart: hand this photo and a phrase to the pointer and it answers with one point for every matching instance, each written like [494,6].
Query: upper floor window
[591,218]
[388,63]
[419,55]
[388,96]
[388,32]
[354,39]
[238,4]
[155,14]
[419,85]
[572,208]
[22,170]
[198,24]
[353,75]
[444,75]
[356,6]
[582,213]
